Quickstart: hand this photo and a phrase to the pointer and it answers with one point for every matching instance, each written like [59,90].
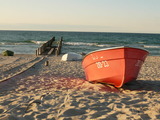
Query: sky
[136,16]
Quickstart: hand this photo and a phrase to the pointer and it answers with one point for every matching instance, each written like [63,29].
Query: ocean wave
[141,42]
[80,43]
[11,43]
[38,42]
[105,45]
[22,42]
[88,44]
[2,43]
[151,46]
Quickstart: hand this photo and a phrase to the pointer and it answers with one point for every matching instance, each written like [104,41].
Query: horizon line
[77,31]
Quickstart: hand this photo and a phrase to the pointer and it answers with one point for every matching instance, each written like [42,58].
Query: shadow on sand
[147,85]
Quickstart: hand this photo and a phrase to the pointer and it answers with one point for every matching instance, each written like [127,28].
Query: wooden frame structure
[50,47]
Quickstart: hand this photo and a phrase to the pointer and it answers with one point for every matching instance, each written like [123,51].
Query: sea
[26,42]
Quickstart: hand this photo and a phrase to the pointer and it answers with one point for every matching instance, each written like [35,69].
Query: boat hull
[114,66]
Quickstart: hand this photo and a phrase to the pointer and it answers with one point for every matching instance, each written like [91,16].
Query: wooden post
[60,45]
[37,52]
[51,51]
[58,50]
[46,63]
[43,47]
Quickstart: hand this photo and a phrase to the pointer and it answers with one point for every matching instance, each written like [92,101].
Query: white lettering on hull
[102,64]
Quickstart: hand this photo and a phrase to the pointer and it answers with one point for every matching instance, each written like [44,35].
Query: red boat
[115,66]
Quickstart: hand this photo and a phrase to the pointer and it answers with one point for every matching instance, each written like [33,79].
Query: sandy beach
[32,90]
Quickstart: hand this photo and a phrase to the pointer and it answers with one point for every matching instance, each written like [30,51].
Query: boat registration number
[102,64]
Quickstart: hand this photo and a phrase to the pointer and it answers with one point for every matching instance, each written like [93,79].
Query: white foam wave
[7,43]
[151,46]
[80,43]
[141,42]
[10,43]
[2,43]
[88,44]
[38,42]
[104,45]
